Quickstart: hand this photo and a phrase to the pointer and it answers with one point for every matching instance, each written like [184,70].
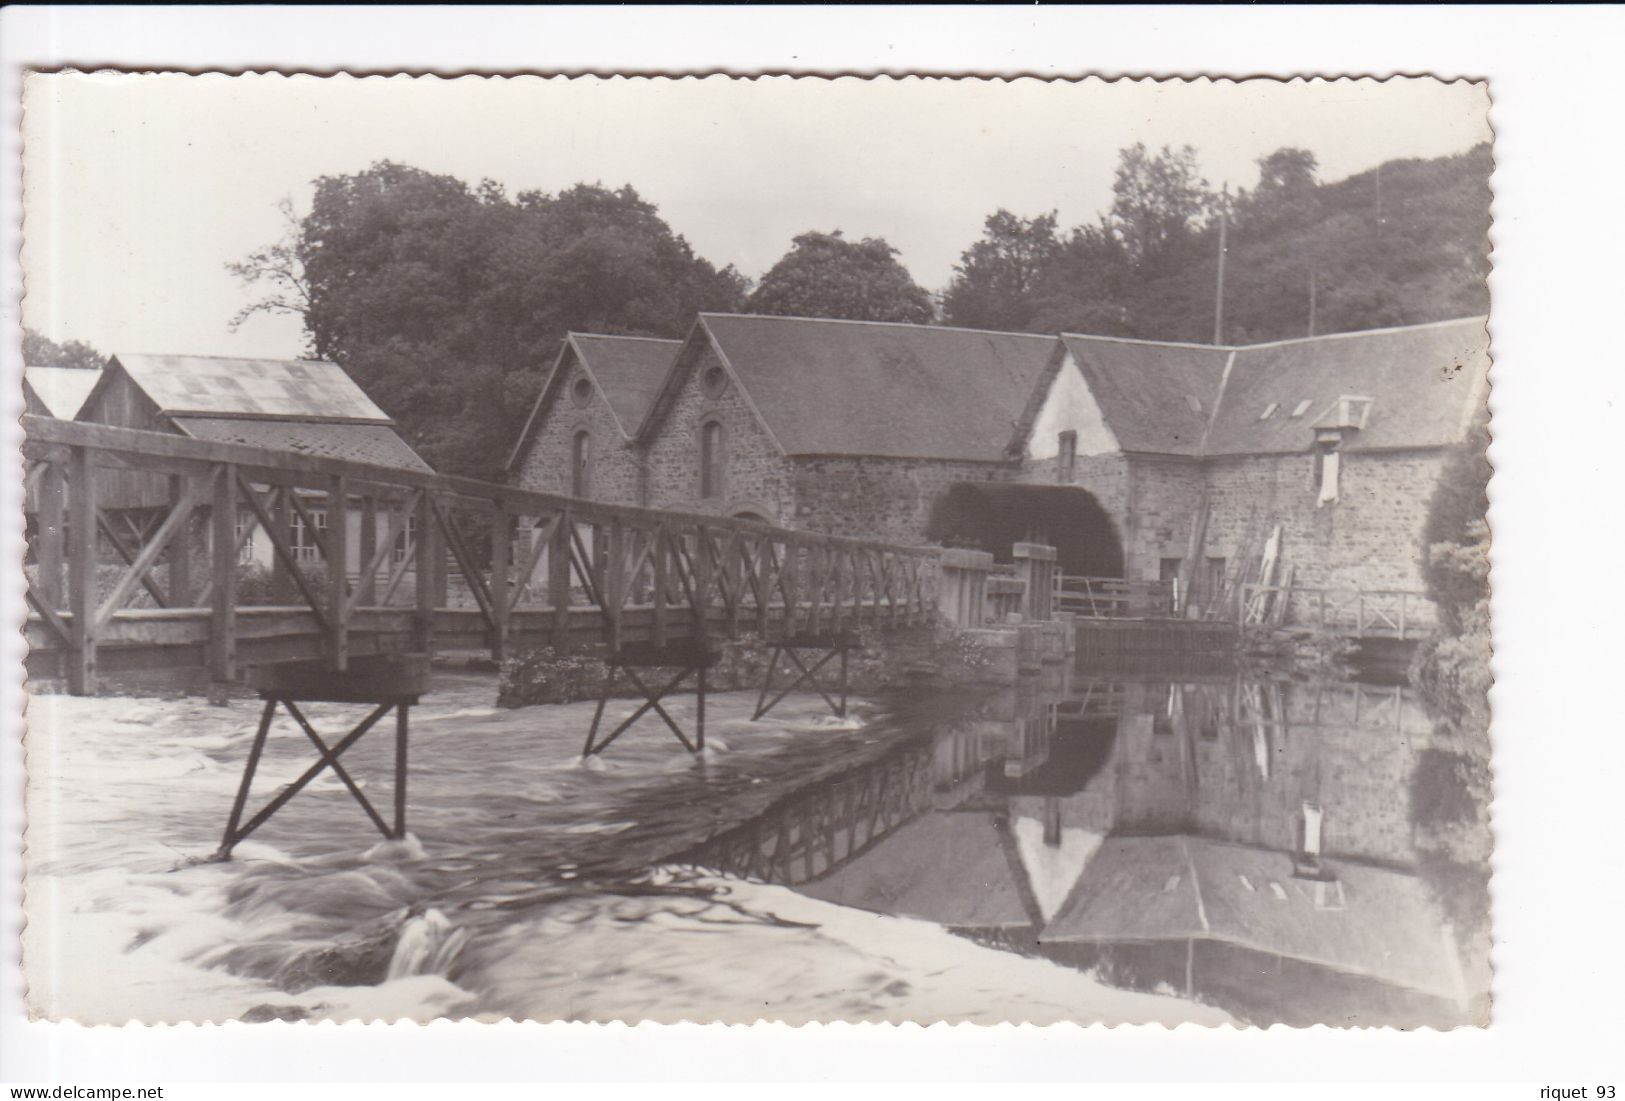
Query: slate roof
[309,390]
[1179,887]
[950,868]
[1425,380]
[826,387]
[1193,399]
[61,390]
[362,443]
[1154,397]
[628,370]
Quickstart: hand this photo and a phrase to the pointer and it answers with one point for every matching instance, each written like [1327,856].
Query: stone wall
[1368,538]
[548,464]
[1164,496]
[877,498]
[757,478]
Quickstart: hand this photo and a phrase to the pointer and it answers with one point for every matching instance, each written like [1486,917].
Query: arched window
[581,464]
[713,458]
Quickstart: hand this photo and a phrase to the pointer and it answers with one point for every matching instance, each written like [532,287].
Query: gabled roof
[1426,381]
[1373,921]
[61,390]
[1154,397]
[826,387]
[951,868]
[362,443]
[303,389]
[628,371]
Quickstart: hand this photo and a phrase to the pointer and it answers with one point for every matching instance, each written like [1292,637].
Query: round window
[581,390]
[714,381]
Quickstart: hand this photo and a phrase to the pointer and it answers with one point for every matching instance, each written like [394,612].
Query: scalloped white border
[1559,392]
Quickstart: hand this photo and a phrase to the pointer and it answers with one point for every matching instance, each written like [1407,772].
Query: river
[1092,847]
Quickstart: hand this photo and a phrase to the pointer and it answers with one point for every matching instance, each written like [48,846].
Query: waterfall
[427,946]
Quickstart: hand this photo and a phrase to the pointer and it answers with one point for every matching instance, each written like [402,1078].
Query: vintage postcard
[789,549]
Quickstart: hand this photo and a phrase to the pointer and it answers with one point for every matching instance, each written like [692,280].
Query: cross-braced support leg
[806,675]
[651,702]
[230,839]
[767,686]
[329,759]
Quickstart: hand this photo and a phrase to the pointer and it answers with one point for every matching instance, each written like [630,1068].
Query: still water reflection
[1252,843]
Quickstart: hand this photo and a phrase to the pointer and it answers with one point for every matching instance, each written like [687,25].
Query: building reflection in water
[1244,842]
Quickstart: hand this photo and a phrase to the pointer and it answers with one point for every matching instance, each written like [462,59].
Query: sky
[139,189]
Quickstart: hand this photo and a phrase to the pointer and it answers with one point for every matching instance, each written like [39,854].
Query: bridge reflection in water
[1246,842]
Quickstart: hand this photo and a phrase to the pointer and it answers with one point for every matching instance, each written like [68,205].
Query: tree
[825,275]
[41,351]
[1286,193]
[995,284]
[1159,203]
[279,268]
[446,303]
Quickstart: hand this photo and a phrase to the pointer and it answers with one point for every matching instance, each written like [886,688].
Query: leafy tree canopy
[446,302]
[996,284]
[1404,243]
[825,275]
[41,351]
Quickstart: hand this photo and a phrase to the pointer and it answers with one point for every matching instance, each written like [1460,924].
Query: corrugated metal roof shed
[874,388]
[311,390]
[363,443]
[62,390]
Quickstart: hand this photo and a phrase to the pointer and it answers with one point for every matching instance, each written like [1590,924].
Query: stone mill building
[1136,459]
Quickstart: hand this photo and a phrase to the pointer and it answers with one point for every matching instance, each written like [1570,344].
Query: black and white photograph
[625,548]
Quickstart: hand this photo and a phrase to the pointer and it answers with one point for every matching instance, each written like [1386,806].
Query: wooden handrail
[40,432]
[699,573]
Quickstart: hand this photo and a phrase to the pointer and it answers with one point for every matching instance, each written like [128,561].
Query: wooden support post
[82,572]
[558,578]
[367,583]
[180,549]
[400,771]
[702,580]
[338,570]
[52,520]
[764,581]
[733,563]
[501,598]
[281,513]
[223,577]
[661,551]
[612,581]
[423,567]
[792,583]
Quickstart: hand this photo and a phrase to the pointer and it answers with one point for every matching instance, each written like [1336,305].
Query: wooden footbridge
[419,563]
[115,588]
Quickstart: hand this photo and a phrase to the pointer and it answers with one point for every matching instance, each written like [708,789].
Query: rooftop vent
[1194,402]
[1269,410]
[1302,407]
[1352,411]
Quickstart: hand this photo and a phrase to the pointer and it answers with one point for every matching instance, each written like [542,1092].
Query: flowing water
[1085,847]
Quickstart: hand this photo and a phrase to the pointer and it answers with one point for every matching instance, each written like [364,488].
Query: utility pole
[1218,292]
[1311,301]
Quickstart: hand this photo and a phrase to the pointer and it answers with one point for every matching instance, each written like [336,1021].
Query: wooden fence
[541,569]
[1360,613]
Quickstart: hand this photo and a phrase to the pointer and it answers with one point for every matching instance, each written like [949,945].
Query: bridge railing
[538,569]
[1360,613]
[1113,597]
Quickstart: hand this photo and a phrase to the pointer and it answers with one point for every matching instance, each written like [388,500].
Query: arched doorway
[991,516]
